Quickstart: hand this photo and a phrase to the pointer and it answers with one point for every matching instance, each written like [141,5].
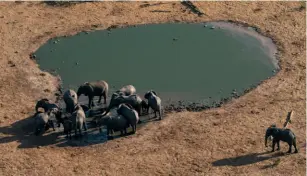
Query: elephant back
[128,90]
[130,114]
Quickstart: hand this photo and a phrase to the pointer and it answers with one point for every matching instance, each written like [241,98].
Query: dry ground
[223,141]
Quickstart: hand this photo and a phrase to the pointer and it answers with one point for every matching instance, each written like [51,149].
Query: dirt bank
[223,141]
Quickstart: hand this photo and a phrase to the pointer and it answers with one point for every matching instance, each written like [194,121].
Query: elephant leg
[69,134]
[84,126]
[80,131]
[134,128]
[139,110]
[290,147]
[294,144]
[90,102]
[76,135]
[273,146]
[160,114]
[99,101]
[155,114]
[278,146]
[105,97]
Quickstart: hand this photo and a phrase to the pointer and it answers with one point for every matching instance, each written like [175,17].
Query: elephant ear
[146,96]
[154,92]
[44,99]
[88,89]
[129,106]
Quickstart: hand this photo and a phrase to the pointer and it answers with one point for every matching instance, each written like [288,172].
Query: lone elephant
[278,134]
[91,89]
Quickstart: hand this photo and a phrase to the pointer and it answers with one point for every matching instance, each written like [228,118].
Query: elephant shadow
[22,131]
[246,159]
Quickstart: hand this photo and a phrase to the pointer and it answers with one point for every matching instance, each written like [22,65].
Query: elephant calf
[71,100]
[154,102]
[114,122]
[42,122]
[98,88]
[78,120]
[278,135]
[130,114]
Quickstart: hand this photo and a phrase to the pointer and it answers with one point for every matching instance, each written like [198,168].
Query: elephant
[134,100]
[127,90]
[91,89]
[42,122]
[78,120]
[278,135]
[46,105]
[114,122]
[71,100]
[130,114]
[154,102]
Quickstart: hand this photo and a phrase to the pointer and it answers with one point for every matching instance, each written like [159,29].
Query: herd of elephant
[123,111]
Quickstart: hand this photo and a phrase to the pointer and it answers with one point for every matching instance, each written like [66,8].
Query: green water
[179,61]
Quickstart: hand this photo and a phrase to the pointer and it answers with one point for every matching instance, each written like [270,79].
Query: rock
[212,27]
[55,42]
[77,63]
[175,39]
[205,25]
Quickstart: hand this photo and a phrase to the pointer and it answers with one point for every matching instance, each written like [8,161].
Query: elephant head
[85,89]
[42,104]
[271,131]
[149,93]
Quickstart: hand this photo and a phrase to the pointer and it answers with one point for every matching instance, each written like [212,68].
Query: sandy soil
[224,141]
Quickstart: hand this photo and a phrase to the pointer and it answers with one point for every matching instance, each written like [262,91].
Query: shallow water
[187,62]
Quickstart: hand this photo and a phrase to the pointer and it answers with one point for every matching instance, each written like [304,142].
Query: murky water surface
[190,62]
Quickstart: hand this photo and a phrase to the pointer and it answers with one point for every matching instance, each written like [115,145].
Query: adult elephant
[130,114]
[71,100]
[278,134]
[154,102]
[114,122]
[133,100]
[91,89]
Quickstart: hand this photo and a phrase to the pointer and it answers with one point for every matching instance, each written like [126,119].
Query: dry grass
[223,141]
